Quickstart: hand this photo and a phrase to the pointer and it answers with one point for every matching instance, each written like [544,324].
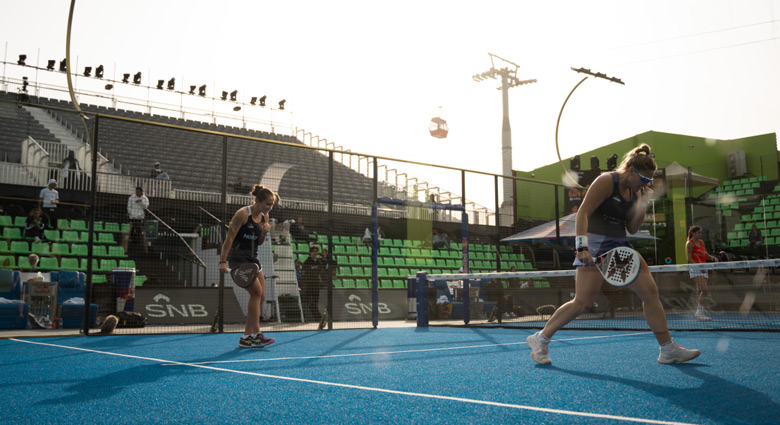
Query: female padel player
[697,254]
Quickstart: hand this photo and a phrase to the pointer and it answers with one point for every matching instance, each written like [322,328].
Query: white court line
[384,353]
[380,390]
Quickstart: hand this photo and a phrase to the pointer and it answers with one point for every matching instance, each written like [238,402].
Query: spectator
[158,173]
[439,240]
[331,267]
[754,238]
[48,200]
[137,204]
[368,238]
[311,272]
[35,225]
[71,167]
[504,304]
[298,231]
[239,186]
[298,272]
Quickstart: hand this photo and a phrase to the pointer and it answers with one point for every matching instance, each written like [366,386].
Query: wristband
[580,242]
[223,262]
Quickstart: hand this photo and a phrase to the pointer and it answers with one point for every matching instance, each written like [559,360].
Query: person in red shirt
[697,254]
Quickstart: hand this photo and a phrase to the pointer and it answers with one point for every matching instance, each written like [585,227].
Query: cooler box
[124,281]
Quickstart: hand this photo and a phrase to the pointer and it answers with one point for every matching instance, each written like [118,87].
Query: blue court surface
[393,375]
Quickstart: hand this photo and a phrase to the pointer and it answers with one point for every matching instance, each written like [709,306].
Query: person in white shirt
[137,204]
[48,200]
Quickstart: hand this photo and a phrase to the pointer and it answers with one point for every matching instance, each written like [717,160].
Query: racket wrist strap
[581,242]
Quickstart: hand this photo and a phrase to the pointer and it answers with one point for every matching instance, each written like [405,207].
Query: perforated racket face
[620,266]
[245,274]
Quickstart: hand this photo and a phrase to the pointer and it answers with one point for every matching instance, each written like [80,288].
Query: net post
[374,265]
[422,299]
[466,295]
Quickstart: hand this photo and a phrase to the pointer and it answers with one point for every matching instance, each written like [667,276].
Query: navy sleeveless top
[610,217]
[247,238]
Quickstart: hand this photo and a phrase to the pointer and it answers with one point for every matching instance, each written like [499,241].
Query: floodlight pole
[508,80]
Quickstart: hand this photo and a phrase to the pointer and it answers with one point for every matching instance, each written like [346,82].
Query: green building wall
[704,156]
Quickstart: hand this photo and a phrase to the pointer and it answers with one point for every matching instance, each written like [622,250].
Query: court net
[742,295]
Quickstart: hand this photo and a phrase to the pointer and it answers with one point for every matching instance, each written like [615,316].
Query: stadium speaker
[126,78]
[137,78]
[50,64]
[262,101]
[574,163]
[253,100]
[233,95]
[594,162]
[202,90]
[21,60]
[192,89]
[171,83]
[281,104]
[612,162]
[160,84]
[87,71]
[224,95]
[63,65]
[99,71]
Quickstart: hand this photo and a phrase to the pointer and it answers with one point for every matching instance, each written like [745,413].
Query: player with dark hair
[615,202]
[697,254]
[248,229]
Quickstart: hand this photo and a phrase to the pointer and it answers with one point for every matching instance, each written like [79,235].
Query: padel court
[391,375]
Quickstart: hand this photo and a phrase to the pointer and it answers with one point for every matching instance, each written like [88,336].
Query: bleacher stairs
[285,283]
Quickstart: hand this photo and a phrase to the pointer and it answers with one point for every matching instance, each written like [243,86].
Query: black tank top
[610,217]
[247,238]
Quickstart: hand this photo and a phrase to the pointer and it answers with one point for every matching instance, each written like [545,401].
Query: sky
[369,76]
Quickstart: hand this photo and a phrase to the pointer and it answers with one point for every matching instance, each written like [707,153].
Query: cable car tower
[509,79]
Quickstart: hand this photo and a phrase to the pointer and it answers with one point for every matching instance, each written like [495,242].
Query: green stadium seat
[100,251]
[399,283]
[111,227]
[365,261]
[348,283]
[128,264]
[20,221]
[78,225]
[125,228]
[105,238]
[78,250]
[7,262]
[63,224]
[6,221]
[363,250]
[345,271]
[108,265]
[116,251]
[4,247]
[40,248]
[69,263]
[393,272]
[20,247]
[70,236]
[12,233]
[98,226]
[140,280]
[362,283]
[61,249]
[52,235]
[49,263]
[23,263]
[101,278]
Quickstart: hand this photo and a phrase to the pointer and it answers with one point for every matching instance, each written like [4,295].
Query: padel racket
[245,274]
[619,266]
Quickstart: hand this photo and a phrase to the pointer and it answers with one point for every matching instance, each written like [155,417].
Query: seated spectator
[158,173]
[439,240]
[298,231]
[35,225]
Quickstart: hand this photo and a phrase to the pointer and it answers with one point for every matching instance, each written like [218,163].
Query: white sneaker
[701,317]
[673,353]
[538,344]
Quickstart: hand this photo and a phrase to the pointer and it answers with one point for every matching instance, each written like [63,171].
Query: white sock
[544,338]
[667,345]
